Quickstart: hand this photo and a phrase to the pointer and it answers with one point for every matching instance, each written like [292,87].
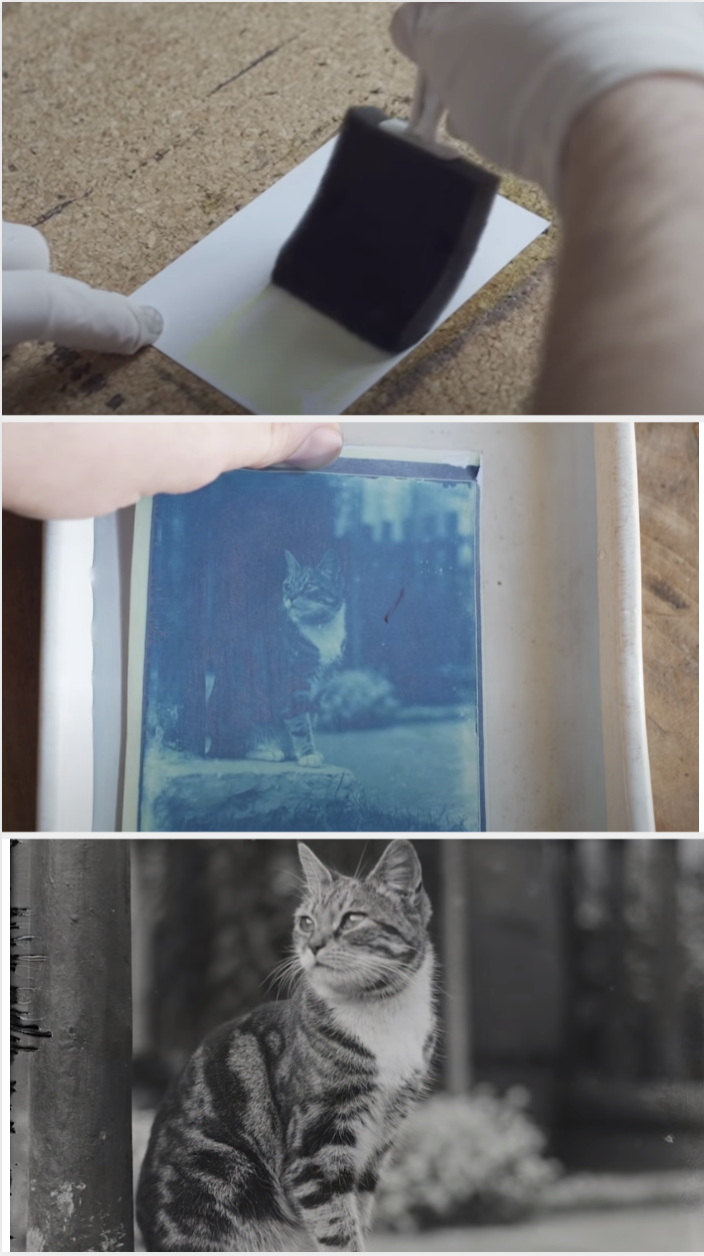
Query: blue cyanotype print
[312,655]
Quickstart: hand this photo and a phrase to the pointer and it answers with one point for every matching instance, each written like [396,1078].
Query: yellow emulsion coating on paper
[293,359]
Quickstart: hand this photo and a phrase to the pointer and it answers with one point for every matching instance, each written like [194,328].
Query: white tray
[564,715]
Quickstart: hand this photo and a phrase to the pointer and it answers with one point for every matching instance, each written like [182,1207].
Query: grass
[359,815]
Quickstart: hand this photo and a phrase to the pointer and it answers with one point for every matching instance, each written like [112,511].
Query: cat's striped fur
[273,1137]
[311,644]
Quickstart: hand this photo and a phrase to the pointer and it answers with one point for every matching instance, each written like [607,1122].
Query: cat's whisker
[388,976]
[380,963]
[284,975]
[289,986]
[361,860]
[282,972]
[290,954]
[291,957]
[370,968]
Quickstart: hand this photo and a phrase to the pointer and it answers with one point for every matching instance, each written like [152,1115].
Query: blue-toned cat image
[283,673]
[311,655]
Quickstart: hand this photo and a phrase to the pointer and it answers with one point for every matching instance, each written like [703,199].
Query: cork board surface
[130,131]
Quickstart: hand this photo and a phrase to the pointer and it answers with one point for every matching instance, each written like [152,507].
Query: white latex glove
[515,77]
[38,305]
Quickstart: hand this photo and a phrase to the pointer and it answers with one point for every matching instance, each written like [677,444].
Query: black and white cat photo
[275,1134]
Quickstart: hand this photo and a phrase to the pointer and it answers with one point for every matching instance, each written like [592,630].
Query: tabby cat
[286,667]
[273,1137]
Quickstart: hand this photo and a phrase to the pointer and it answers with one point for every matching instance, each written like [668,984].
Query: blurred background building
[572,968]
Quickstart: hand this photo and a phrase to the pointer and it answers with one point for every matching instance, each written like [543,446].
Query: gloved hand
[515,77]
[38,305]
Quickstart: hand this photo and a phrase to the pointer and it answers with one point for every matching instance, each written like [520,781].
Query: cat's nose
[316,944]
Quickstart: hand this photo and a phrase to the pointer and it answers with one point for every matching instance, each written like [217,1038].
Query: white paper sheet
[260,346]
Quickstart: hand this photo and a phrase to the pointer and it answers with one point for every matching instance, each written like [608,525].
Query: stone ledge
[219,795]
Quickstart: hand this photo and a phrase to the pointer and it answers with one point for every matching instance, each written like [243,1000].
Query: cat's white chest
[394,1030]
[328,639]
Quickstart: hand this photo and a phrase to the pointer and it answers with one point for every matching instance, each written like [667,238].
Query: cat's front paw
[311,760]
[267,754]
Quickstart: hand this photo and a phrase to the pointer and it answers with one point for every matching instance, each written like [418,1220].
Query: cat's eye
[353,918]
[305,923]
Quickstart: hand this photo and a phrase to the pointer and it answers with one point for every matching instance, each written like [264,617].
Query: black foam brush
[389,236]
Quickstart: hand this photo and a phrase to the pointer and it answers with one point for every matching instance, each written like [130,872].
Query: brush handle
[426,111]
[514,78]
[359,256]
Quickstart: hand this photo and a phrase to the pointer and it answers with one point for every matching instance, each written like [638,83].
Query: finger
[151,323]
[181,457]
[39,305]
[200,452]
[305,445]
[24,248]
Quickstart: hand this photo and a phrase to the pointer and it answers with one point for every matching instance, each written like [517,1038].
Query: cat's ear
[398,869]
[291,563]
[330,564]
[317,876]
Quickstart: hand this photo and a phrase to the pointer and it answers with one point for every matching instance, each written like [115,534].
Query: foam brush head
[389,236]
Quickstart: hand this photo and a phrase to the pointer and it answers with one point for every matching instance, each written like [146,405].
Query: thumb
[305,445]
[75,470]
[199,452]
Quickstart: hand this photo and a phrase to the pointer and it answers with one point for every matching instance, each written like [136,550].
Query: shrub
[470,1160]
[357,698]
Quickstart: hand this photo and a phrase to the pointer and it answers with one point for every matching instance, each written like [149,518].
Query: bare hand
[78,470]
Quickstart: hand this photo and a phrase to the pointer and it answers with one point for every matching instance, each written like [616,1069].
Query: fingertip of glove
[151,324]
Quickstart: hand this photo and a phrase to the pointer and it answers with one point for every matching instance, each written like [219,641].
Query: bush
[357,698]
[472,1160]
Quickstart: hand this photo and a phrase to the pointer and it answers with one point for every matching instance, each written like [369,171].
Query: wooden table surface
[669,497]
[668,478]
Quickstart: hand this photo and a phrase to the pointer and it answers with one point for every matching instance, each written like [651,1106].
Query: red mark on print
[395,606]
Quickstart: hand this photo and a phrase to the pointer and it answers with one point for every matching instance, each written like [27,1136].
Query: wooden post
[80,1146]
[456,965]
[618,1043]
[567,882]
[666,1017]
